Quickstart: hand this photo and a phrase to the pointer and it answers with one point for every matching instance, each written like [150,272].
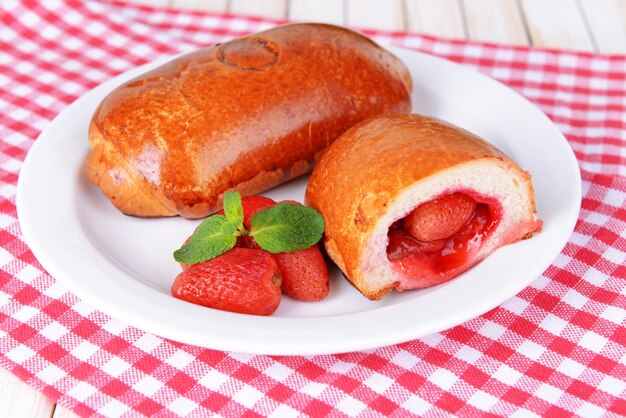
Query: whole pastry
[245,115]
[411,201]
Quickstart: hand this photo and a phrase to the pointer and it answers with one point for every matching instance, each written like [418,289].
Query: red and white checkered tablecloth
[558,348]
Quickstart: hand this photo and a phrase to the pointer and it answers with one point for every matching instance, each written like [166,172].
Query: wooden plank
[17,399]
[440,18]
[206,5]
[276,9]
[327,11]
[495,21]
[556,24]
[376,14]
[607,22]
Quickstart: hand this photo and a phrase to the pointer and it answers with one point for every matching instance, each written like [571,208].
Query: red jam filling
[426,261]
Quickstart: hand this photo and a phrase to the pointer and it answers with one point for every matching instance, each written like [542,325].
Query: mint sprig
[233,208]
[214,236]
[285,227]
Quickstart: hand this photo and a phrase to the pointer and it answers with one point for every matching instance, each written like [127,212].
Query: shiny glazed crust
[373,165]
[245,115]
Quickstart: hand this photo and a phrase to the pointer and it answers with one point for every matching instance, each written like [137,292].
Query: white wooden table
[588,25]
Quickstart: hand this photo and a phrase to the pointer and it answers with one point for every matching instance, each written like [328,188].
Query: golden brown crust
[245,115]
[361,172]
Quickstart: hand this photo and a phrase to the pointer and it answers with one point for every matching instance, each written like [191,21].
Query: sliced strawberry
[440,218]
[402,245]
[240,280]
[304,274]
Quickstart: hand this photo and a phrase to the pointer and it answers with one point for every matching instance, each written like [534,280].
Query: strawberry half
[241,280]
[304,274]
[440,218]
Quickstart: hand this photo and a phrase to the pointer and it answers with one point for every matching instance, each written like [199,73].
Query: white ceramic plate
[124,267]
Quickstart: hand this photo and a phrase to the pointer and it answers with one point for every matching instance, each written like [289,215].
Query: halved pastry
[411,201]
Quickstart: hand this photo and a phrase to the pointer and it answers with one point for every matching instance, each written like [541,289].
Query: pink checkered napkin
[557,348]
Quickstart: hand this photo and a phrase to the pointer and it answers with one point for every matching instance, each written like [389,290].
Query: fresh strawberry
[402,245]
[240,280]
[440,218]
[304,274]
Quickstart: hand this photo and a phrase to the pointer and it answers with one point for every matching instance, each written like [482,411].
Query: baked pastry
[411,201]
[245,115]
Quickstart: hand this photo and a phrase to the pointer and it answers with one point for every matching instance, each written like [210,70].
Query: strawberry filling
[439,239]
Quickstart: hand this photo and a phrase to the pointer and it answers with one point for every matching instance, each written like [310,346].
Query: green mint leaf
[214,236]
[287,227]
[233,208]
